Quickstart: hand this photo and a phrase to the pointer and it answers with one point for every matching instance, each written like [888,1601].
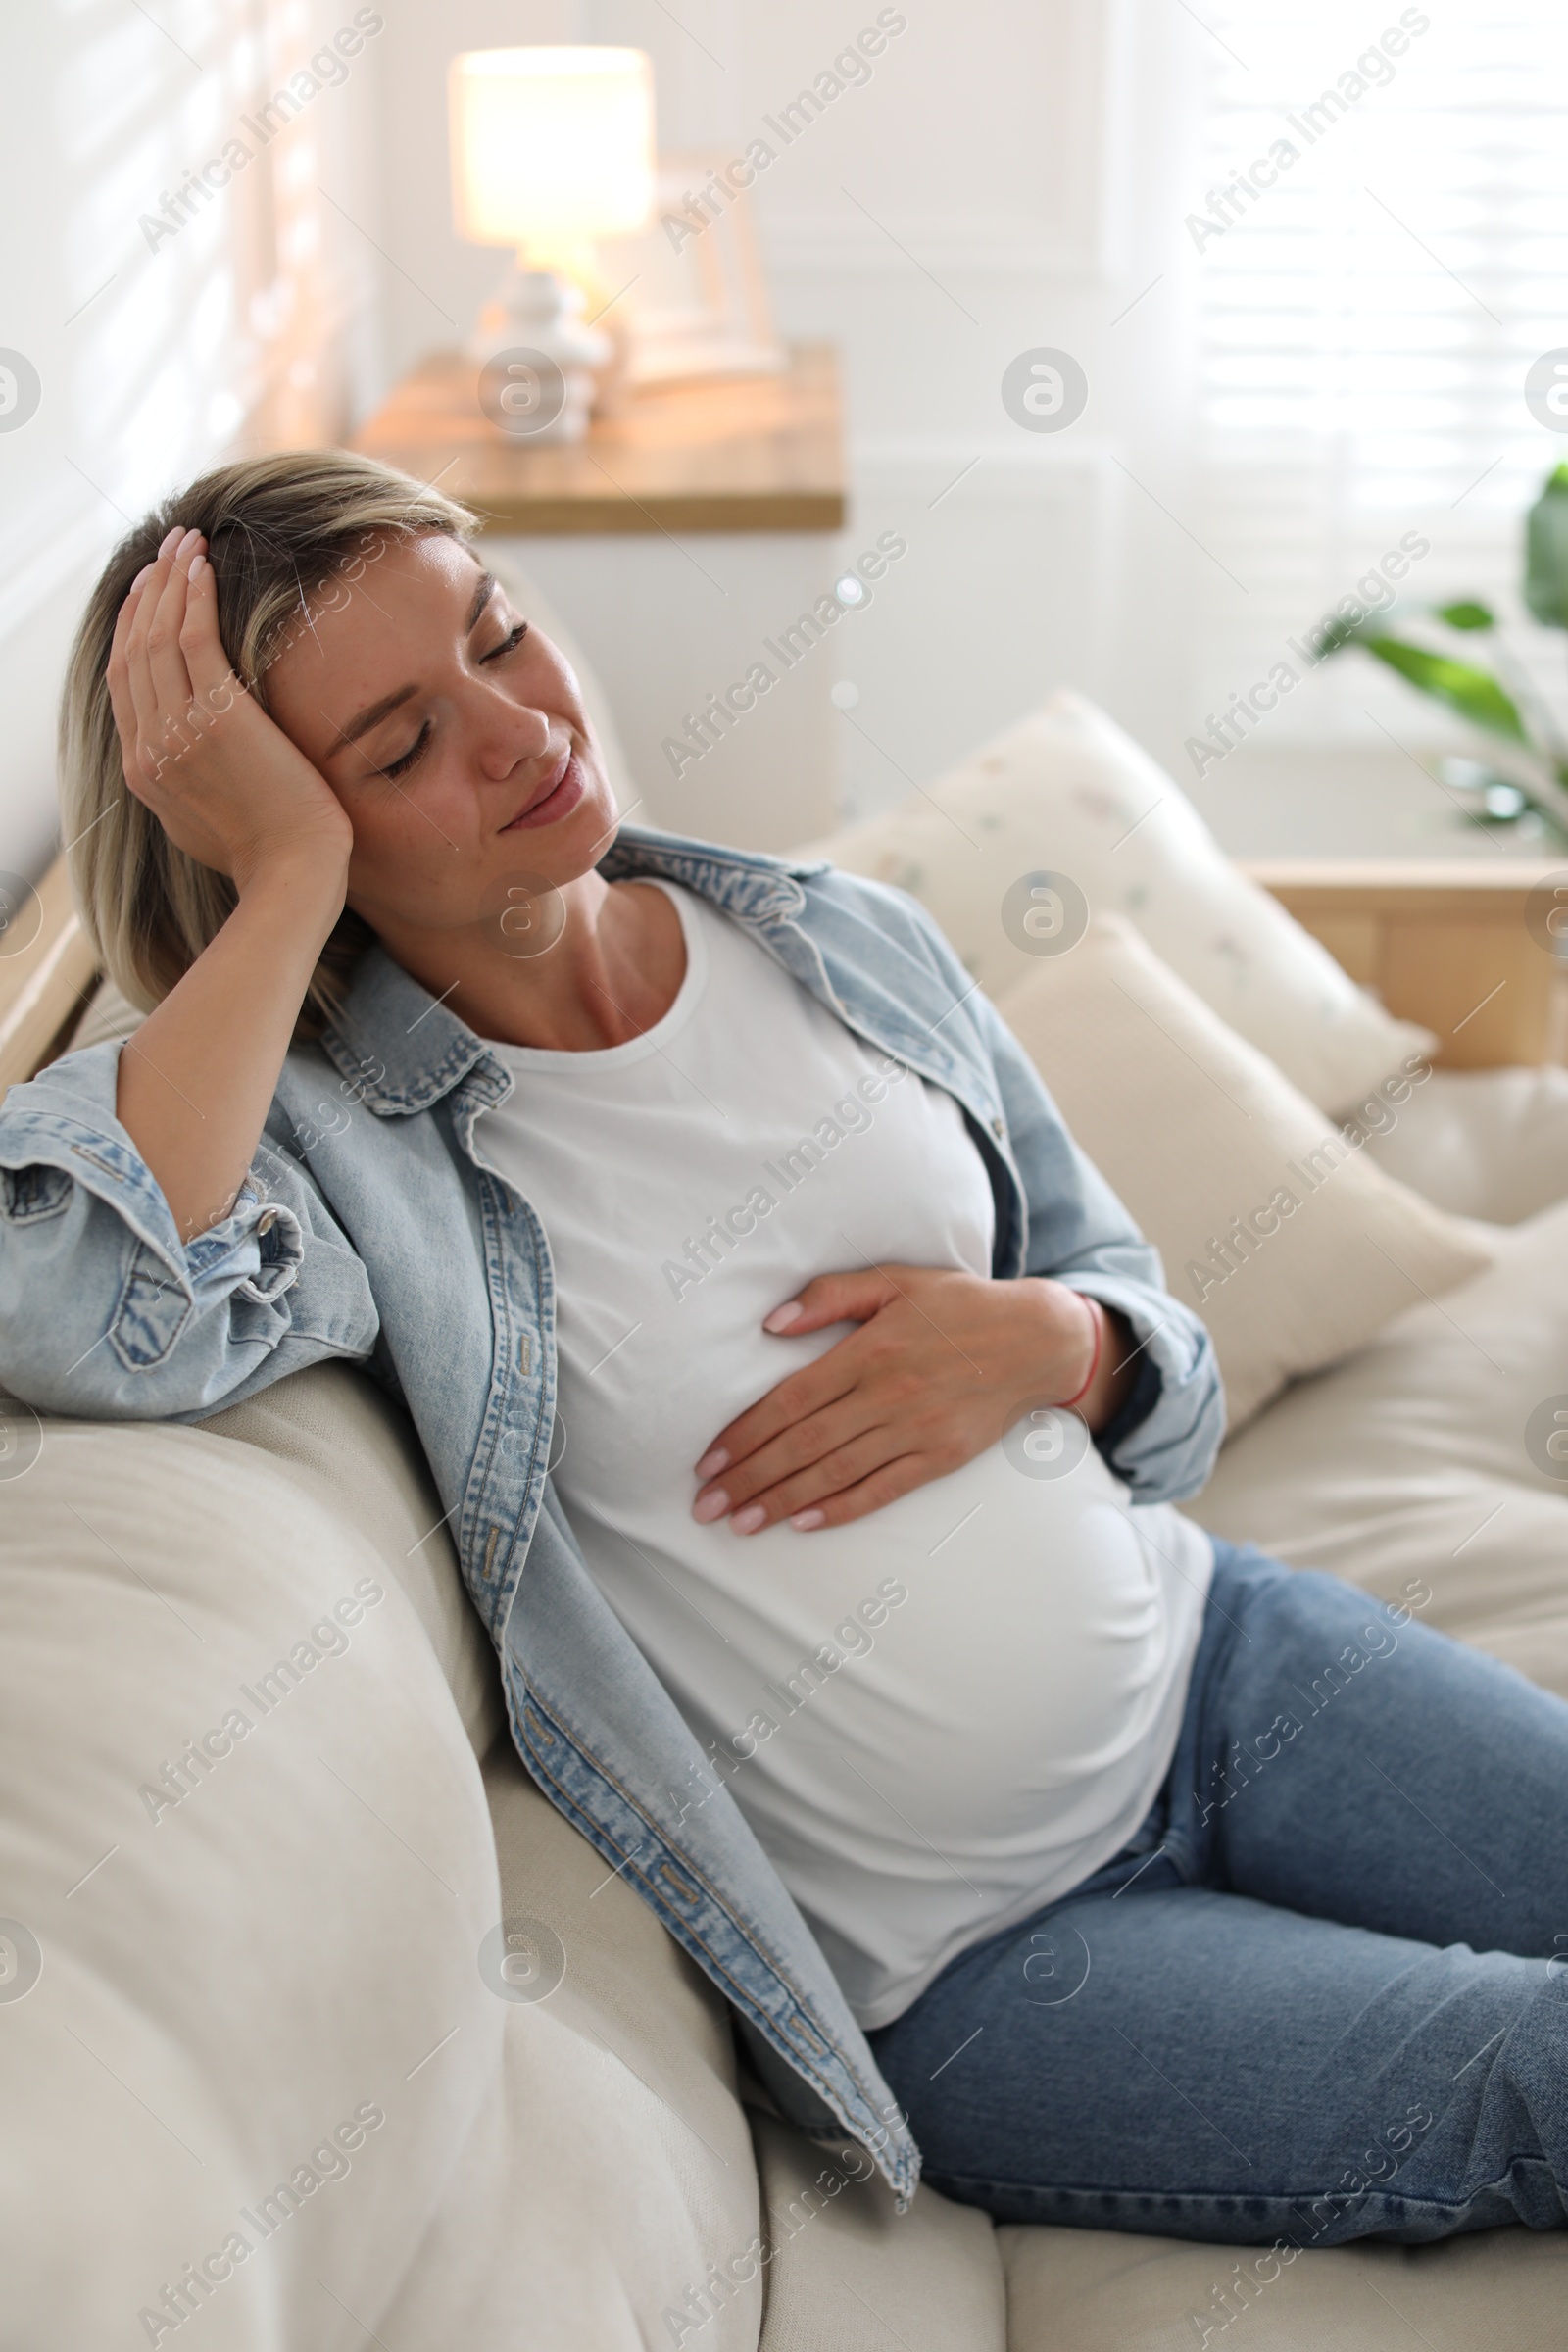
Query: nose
[510,734]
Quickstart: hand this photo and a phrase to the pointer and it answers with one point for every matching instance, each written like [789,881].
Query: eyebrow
[372,716]
[484,590]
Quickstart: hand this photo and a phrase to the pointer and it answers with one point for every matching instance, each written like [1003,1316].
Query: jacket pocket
[28,1195]
[151,1313]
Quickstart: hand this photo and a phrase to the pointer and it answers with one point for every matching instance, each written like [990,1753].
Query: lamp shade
[550,143]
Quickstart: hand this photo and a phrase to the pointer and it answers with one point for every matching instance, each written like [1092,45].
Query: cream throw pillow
[1066,791]
[1292,1247]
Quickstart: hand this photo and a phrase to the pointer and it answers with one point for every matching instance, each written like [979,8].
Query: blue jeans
[1323,1994]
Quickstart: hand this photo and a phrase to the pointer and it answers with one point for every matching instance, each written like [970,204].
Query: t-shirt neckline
[652,1041]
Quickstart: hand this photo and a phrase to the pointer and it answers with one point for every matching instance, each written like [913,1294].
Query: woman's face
[453,733]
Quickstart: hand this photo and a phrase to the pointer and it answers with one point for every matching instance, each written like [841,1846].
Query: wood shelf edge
[46,983]
[581,518]
[1473,877]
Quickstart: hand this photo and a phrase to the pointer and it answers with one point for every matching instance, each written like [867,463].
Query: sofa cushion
[1066,792]
[1424,1459]
[1488,1144]
[611,2167]
[347,1443]
[1094,2291]
[258,2038]
[846,2269]
[1287,1242]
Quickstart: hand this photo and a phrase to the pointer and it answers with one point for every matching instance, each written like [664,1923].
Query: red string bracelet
[1097,1316]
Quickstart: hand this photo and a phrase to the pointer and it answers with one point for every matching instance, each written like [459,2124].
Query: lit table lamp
[550,149]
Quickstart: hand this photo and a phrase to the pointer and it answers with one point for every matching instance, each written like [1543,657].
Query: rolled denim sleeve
[106,1313]
[1164,1439]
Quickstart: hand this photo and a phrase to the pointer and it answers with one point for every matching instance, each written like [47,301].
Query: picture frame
[695,305]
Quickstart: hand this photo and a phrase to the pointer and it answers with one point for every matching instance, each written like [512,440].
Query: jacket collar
[403,1050]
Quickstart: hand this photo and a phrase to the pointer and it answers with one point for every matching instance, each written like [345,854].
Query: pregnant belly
[979,1655]
[1021,1665]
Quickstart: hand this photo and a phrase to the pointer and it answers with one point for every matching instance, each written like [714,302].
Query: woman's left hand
[940,1365]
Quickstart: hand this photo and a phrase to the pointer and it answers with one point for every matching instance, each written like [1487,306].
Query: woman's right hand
[221,778]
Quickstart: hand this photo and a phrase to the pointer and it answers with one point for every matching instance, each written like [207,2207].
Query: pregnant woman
[807,1413]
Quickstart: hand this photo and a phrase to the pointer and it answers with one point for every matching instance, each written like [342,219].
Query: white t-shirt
[948,1712]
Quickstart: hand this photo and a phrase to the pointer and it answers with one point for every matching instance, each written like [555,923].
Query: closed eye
[416,751]
[509,644]
[401,767]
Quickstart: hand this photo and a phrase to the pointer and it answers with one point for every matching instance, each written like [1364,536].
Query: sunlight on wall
[196,279]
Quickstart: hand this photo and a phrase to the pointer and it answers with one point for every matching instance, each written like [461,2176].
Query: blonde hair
[278,529]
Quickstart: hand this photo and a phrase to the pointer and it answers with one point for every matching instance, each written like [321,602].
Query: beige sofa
[319,2028]
[240,1955]
[310,1930]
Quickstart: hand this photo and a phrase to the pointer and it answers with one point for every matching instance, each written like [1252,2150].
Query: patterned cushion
[1067,792]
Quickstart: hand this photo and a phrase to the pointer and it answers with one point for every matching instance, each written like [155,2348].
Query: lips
[556,798]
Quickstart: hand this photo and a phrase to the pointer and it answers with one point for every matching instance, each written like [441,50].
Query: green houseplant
[1531,795]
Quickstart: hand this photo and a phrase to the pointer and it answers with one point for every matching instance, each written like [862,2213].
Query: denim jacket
[372,1228]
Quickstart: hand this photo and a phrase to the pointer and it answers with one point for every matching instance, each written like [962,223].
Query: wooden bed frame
[1447,943]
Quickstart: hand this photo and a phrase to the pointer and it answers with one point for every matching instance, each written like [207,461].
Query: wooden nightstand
[697,522]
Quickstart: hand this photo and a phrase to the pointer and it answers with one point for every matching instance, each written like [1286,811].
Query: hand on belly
[940,1364]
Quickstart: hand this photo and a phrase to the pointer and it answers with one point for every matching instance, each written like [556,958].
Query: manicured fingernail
[713,1462]
[171,539]
[140,577]
[198,565]
[711,1507]
[187,540]
[783,1316]
[806,1520]
[746,1522]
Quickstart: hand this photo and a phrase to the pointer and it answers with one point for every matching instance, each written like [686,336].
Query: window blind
[1381,236]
